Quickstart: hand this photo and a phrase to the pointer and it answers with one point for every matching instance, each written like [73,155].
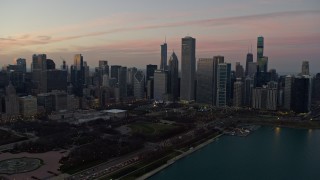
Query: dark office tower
[273,75]
[103,67]
[252,69]
[64,66]
[248,86]
[260,46]
[188,68]
[239,70]
[150,70]
[38,66]
[205,93]
[87,80]
[316,87]
[56,80]
[78,75]
[305,68]
[301,94]
[17,78]
[216,60]
[51,64]
[130,80]
[163,63]
[115,71]
[248,60]
[173,77]
[123,82]
[22,64]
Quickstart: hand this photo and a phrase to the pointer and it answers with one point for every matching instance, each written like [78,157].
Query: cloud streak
[30,40]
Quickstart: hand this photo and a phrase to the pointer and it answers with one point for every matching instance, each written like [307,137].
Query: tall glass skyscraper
[188,68]
[248,60]
[260,46]
[173,89]
[205,92]
[163,63]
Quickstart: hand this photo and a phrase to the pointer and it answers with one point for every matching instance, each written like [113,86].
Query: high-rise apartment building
[222,80]
[288,92]
[238,93]
[188,68]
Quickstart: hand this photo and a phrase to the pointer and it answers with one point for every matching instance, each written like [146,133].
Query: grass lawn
[7,137]
[151,128]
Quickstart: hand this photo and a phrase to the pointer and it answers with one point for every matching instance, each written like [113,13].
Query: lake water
[266,154]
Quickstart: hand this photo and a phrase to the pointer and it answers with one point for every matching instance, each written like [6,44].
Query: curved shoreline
[173,160]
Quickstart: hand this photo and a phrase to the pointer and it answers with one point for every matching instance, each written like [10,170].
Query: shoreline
[173,160]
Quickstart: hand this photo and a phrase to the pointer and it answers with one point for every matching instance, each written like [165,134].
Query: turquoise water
[267,154]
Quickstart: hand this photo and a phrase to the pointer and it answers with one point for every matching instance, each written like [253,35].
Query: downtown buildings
[212,82]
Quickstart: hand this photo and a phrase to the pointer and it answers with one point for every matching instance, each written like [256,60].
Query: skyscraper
[261,59]
[248,87]
[248,60]
[205,92]
[21,62]
[123,82]
[239,70]
[160,84]
[150,70]
[163,63]
[78,75]
[305,68]
[222,80]
[238,93]
[301,94]
[138,87]
[173,84]
[38,67]
[288,92]
[216,60]
[188,67]
[150,80]
[115,71]
[260,48]
[103,69]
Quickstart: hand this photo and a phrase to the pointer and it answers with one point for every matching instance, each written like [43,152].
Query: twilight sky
[130,32]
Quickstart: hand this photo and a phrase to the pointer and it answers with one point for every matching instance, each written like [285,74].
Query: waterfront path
[171,161]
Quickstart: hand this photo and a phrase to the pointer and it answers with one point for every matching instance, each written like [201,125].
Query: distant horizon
[130,33]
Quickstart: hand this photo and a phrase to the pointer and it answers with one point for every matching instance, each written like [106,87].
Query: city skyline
[108,31]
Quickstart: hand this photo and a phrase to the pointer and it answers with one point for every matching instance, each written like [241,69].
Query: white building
[160,84]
